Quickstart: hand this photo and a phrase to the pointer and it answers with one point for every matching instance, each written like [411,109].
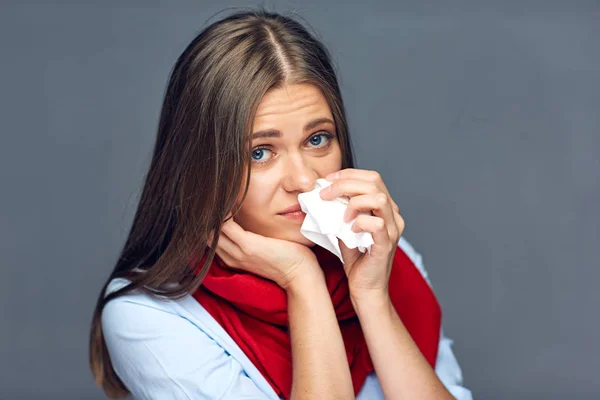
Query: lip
[294,216]
[294,213]
[291,209]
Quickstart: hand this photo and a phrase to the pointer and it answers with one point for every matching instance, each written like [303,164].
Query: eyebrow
[268,133]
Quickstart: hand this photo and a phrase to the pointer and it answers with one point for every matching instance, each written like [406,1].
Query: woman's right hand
[281,261]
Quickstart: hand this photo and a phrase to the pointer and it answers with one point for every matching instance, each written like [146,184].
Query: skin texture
[261,241]
[290,164]
[287,165]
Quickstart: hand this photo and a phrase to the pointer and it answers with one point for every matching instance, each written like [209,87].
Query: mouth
[293,212]
[295,215]
[291,209]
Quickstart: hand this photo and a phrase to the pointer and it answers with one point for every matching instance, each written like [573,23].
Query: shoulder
[133,311]
[160,351]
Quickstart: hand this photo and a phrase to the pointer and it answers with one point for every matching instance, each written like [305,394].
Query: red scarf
[253,311]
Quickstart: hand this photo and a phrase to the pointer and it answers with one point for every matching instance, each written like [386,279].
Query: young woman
[217,294]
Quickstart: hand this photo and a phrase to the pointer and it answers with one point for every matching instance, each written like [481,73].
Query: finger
[227,259]
[229,246]
[366,175]
[355,188]
[394,205]
[236,234]
[370,176]
[375,226]
[349,255]
[348,187]
[400,225]
[355,173]
[378,204]
[229,251]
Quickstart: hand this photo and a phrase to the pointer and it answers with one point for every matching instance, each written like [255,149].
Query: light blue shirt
[174,349]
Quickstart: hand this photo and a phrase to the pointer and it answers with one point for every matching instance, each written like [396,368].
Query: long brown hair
[201,157]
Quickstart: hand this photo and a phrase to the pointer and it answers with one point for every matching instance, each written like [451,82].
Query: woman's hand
[368,275]
[281,261]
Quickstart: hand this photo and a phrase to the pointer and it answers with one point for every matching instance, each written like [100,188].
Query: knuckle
[247,250]
[382,199]
[401,221]
[352,202]
[374,176]
[401,225]
[358,222]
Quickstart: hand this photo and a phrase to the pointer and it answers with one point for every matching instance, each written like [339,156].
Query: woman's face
[290,151]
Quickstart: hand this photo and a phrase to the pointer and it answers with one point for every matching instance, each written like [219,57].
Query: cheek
[255,209]
[260,191]
[334,162]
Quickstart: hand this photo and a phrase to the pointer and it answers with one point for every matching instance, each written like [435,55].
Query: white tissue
[324,222]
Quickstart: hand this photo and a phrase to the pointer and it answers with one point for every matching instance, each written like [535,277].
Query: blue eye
[319,138]
[316,141]
[258,153]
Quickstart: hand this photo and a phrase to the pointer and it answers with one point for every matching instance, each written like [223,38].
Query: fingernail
[325,191]
[333,176]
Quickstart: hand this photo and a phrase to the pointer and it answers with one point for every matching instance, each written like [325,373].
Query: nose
[299,175]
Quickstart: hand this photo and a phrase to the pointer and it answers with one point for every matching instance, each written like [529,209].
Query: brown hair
[201,157]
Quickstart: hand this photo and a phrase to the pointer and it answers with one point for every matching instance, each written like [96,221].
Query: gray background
[481,116]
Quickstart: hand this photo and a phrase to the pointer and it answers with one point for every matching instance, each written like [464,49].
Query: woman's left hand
[368,275]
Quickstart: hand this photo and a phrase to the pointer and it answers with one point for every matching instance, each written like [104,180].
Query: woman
[217,294]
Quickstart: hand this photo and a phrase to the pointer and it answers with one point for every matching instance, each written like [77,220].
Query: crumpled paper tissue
[324,222]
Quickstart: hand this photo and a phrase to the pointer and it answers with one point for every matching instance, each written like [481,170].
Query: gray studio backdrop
[482,117]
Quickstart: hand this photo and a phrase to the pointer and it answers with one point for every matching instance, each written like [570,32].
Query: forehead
[291,101]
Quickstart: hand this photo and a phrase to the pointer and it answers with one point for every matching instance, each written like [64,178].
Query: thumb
[349,255]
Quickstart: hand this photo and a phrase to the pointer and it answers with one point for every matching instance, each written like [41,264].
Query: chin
[307,242]
[297,237]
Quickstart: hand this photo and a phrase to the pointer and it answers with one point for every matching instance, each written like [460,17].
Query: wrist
[303,278]
[370,301]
